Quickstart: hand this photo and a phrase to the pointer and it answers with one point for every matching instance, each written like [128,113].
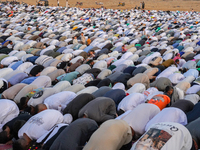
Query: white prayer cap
[67,118]
[119,86]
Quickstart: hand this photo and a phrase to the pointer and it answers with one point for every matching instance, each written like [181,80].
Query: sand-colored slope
[150,4]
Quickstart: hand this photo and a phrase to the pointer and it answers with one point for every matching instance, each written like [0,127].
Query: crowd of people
[99,79]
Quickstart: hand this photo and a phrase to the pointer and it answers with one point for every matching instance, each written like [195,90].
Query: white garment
[90,90]
[74,60]
[118,62]
[48,70]
[60,86]
[176,78]
[104,73]
[127,62]
[150,91]
[39,97]
[191,72]
[149,58]
[193,90]
[179,138]
[55,130]
[167,72]
[168,56]
[67,57]
[42,82]
[170,114]
[194,98]
[8,60]
[47,49]
[142,118]
[136,88]
[131,101]
[180,93]
[40,124]
[20,54]
[82,68]
[8,111]
[59,100]
[126,55]
[190,65]
[24,66]
[189,79]
[9,75]
[13,52]
[5,71]
[100,65]
[119,86]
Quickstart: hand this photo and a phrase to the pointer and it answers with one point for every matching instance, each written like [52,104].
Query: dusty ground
[129,4]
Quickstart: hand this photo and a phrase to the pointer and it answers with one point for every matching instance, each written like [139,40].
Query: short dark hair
[45,45]
[17,126]
[17,146]
[54,82]
[23,101]
[3,137]
[177,60]
[90,61]
[168,88]
[91,51]
[119,57]
[184,70]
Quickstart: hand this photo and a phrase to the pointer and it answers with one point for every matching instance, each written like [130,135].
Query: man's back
[40,123]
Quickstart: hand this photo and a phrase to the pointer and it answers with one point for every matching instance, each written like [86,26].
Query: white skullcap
[1,83]
[67,118]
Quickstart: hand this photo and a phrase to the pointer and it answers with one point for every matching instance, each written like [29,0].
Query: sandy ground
[182,5]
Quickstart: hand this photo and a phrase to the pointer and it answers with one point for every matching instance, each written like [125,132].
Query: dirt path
[185,5]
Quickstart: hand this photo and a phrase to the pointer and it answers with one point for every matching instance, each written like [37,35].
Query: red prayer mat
[5,147]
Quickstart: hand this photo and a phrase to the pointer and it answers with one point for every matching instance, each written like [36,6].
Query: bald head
[40,107]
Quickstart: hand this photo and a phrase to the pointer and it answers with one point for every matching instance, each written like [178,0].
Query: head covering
[67,118]
[119,86]
[35,70]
